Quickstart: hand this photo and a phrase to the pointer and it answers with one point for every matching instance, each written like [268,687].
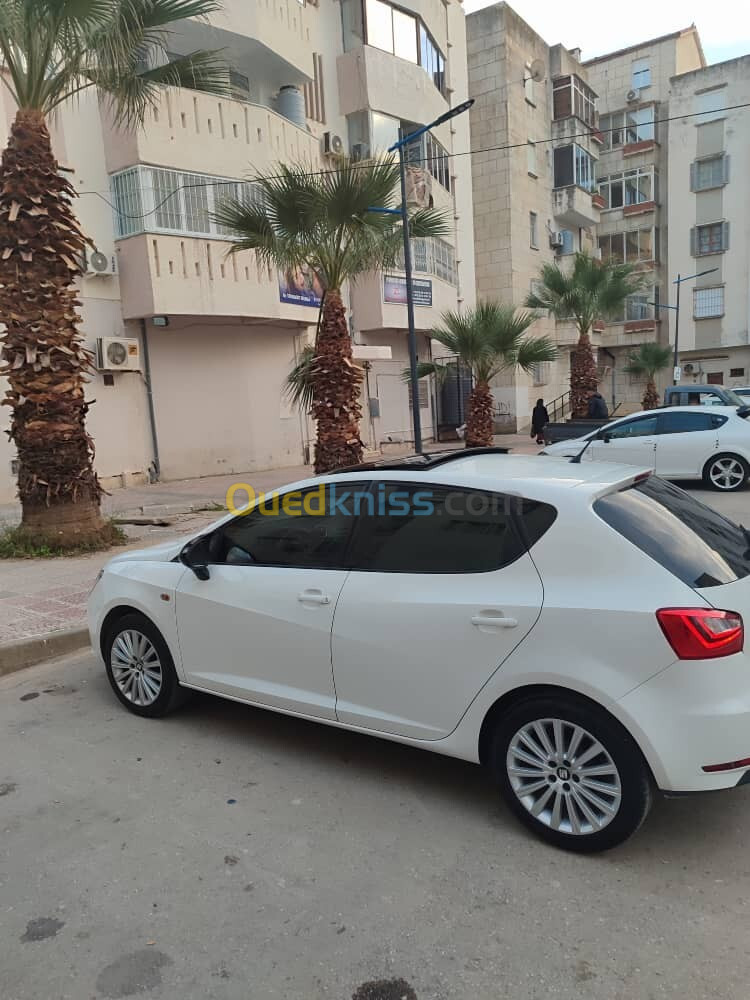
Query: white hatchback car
[677,442]
[575,628]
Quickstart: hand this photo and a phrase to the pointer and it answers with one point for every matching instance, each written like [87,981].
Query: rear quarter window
[692,541]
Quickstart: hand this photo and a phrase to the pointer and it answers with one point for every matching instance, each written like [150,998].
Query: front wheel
[140,667]
[726,473]
[571,773]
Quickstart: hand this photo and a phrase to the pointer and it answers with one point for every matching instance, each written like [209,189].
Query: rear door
[632,442]
[441,591]
[686,441]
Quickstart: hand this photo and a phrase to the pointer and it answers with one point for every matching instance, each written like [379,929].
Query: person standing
[539,420]
[597,407]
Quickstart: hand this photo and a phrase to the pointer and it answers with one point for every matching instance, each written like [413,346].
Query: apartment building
[709,166]
[570,156]
[192,345]
[634,193]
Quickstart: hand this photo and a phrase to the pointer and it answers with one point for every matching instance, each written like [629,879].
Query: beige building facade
[193,346]
[709,226]
[571,156]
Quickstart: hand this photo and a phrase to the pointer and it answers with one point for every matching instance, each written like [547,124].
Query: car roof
[674,409]
[538,476]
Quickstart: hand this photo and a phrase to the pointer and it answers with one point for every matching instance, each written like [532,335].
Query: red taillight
[731,765]
[702,633]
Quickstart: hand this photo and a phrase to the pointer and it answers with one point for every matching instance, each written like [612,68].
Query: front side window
[303,528]
[692,541]
[708,302]
[632,429]
[435,529]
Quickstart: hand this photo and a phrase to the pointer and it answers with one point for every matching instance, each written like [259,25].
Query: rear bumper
[693,714]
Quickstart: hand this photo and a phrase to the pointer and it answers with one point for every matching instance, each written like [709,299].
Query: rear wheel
[571,773]
[726,473]
[140,667]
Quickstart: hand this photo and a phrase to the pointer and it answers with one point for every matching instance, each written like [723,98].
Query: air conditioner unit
[118,354]
[333,145]
[99,265]
[632,95]
[556,240]
[692,369]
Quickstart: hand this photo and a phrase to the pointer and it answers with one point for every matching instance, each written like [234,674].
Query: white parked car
[576,628]
[677,442]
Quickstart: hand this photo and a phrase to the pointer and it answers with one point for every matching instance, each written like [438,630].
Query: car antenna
[576,459]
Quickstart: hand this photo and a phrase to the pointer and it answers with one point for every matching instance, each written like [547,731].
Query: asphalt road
[231,853]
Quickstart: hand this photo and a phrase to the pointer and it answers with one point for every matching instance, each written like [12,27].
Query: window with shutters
[533,230]
[711,172]
[531,158]
[424,399]
[712,238]
[708,302]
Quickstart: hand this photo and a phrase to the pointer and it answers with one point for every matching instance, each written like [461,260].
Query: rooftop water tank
[291,104]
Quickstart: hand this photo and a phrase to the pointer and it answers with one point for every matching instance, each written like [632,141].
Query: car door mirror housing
[606,438]
[192,557]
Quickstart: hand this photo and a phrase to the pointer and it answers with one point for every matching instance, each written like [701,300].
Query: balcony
[572,206]
[186,276]
[370,78]
[214,135]
[371,312]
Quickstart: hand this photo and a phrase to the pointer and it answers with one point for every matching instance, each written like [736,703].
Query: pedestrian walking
[539,420]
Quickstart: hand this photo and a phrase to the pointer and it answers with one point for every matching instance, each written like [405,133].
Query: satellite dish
[538,70]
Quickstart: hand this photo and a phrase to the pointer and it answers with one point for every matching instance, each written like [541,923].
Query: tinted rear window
[701,548]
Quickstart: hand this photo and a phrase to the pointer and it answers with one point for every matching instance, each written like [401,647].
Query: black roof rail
[427,460]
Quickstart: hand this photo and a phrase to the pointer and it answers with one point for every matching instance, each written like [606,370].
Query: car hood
[164,552]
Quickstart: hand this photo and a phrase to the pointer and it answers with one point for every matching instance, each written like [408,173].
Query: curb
[28,652]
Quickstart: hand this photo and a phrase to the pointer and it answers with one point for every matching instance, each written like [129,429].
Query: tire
[140,668]
[734,467]
[560,819]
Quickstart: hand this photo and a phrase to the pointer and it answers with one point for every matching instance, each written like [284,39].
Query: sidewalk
[39,596]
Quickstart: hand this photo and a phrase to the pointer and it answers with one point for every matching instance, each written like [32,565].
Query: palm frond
[426,368]
[300,382]
[649,359]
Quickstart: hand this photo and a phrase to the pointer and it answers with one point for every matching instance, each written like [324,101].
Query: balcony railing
[159,200]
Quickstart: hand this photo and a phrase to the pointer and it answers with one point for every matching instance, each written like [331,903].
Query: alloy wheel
[564,776]
[727,473]
[136,667]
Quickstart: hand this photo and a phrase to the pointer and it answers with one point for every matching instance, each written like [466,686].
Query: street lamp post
[398,147]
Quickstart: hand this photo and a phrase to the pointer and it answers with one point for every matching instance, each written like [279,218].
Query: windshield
[698,545]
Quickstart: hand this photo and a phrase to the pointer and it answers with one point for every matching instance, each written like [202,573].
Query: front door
[632,442]
[260,628]
[441,592]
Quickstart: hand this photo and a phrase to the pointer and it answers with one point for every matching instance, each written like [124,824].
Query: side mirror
[191,558]
[606,438]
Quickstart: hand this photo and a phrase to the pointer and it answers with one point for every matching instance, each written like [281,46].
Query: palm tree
[323,220]
[51,51]
[592,290]
[488,340]
[647,361]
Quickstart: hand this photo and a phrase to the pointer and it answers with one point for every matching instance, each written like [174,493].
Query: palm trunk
[479,417]
[651,396]
[584,377]
[336,389]
[43,354]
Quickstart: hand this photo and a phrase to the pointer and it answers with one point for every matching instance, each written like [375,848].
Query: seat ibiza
[575,628]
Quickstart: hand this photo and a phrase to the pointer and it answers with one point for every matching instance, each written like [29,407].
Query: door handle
[494,621]
[313,597]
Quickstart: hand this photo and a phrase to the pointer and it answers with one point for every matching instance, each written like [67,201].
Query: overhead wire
[364,165]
